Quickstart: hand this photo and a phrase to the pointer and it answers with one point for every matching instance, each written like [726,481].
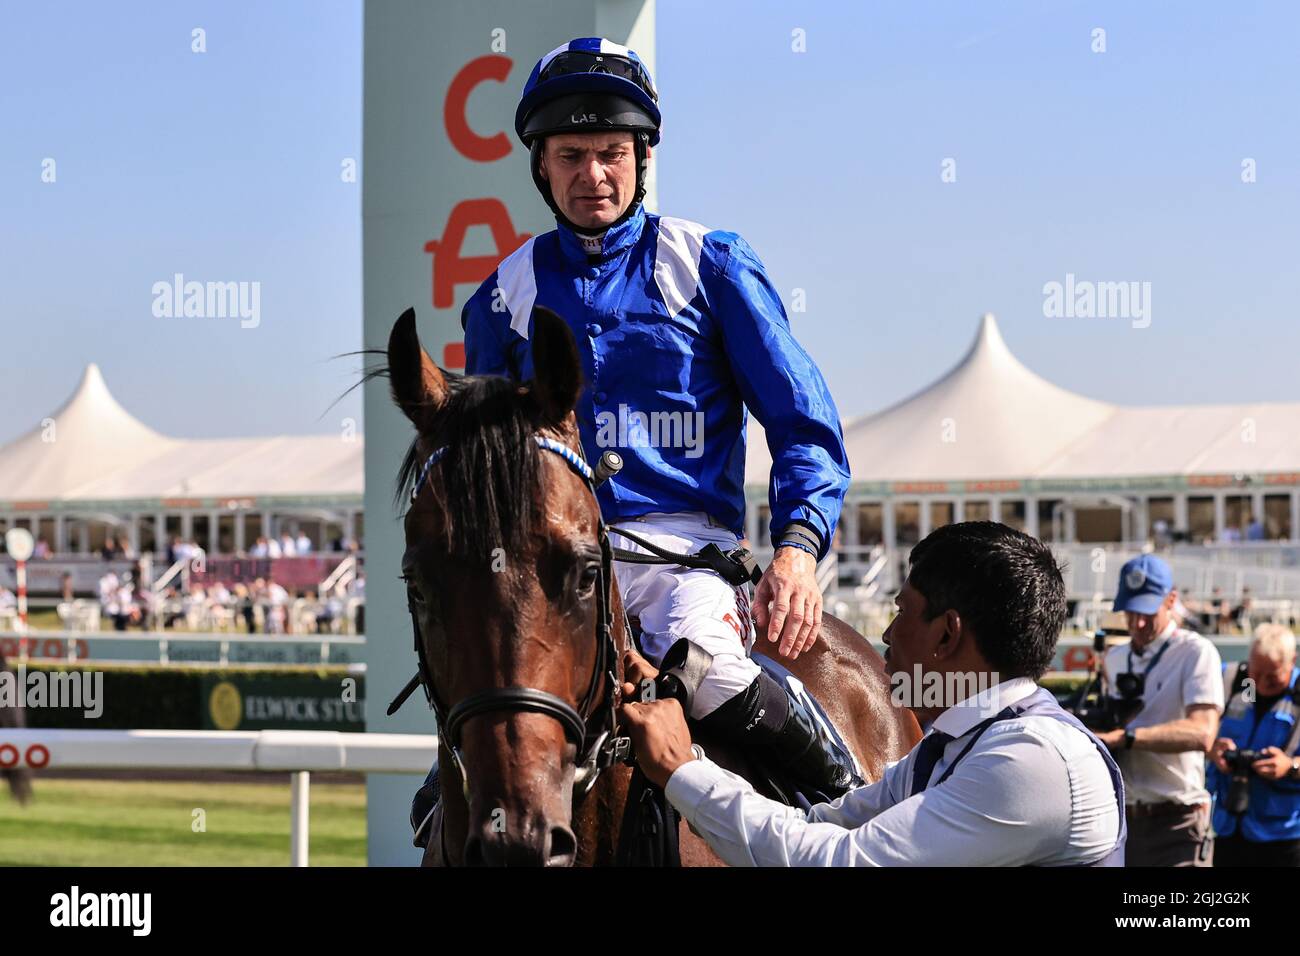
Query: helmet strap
[641,150]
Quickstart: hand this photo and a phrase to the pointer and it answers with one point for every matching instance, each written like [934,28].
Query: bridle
[598,744]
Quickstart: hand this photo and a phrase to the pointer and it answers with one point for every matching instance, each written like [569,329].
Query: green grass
[132,823]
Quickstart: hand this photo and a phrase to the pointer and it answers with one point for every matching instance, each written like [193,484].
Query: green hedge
[166,698]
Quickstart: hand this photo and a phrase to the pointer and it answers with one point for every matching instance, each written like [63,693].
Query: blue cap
[1144,582]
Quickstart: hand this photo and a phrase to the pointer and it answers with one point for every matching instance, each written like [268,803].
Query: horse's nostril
[563,849]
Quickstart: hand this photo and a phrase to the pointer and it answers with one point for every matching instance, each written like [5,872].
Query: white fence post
[299,813]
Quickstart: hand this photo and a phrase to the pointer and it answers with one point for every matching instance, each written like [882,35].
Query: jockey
[680,331]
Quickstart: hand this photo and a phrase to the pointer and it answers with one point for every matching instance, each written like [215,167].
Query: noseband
[598,746]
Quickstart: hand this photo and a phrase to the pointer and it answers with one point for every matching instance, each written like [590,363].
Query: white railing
[344,574]
[166,578]
[297,751]
[165,638]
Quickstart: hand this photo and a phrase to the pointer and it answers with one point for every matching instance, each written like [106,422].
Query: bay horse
[513,604]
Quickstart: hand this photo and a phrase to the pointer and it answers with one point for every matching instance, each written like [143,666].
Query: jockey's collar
[613,241]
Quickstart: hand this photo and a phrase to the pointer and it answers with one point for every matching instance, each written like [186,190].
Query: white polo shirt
[1031,791]
[1189,672]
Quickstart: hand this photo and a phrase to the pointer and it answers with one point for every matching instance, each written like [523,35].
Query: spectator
[273,548]
[42,549]
[173,550]
[1257,804]
[1176,675]
[107,588]
[66,591]
[303,543]
[244,606]
[1255,530]
[329,611]
[1241,613]
[287,546]
[278,605]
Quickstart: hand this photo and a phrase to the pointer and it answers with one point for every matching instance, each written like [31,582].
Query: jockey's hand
[660,738]
[788,602]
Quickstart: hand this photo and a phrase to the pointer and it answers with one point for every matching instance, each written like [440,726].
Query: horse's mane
[491,466]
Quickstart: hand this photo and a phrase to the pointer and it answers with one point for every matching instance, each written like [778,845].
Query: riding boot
[781,733]
[422,805]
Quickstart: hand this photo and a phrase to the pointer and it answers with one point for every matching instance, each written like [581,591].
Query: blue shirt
[680,331]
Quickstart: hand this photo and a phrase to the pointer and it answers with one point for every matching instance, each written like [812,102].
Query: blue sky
[1115,166]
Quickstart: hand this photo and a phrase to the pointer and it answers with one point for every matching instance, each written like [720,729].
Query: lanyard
[1154,661]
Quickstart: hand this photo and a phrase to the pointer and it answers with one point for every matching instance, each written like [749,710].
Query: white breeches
[674,602]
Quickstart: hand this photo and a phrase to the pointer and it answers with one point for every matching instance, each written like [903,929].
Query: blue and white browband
[574,460]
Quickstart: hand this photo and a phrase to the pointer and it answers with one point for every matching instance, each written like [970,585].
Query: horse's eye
[587,580]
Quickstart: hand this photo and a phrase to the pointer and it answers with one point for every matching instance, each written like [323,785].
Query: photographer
[1255,775]
[1173,679]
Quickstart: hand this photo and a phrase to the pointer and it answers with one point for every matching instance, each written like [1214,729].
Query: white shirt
[1032,790]
[1190,672]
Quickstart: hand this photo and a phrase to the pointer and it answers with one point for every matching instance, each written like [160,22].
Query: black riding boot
[782,734]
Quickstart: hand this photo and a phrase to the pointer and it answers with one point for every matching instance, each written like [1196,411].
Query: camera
[1240,767]
[1096,709]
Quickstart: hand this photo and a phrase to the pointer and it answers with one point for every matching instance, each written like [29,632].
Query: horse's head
[504,573]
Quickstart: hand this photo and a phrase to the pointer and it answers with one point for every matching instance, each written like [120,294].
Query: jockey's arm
[785,391]
[484,352]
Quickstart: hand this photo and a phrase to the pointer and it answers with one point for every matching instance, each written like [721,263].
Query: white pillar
[299,794]
[888,524]
[214,529]
[849,530]
[1295,515]
[266,525]
[1141,519]
[1257,507]
[995,509]
[60,542]
[923,518]
[133,532]
[1031,516]
[83,536]
[187,526]
[1220,516]
[959,510]
[240,543]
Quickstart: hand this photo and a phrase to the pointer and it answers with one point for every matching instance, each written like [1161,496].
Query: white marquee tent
[91,467]
[990,438]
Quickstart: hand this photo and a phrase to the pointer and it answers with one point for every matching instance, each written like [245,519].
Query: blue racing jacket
[680,331]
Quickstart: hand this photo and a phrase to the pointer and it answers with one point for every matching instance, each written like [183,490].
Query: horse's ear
[557,370]
[418,385]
